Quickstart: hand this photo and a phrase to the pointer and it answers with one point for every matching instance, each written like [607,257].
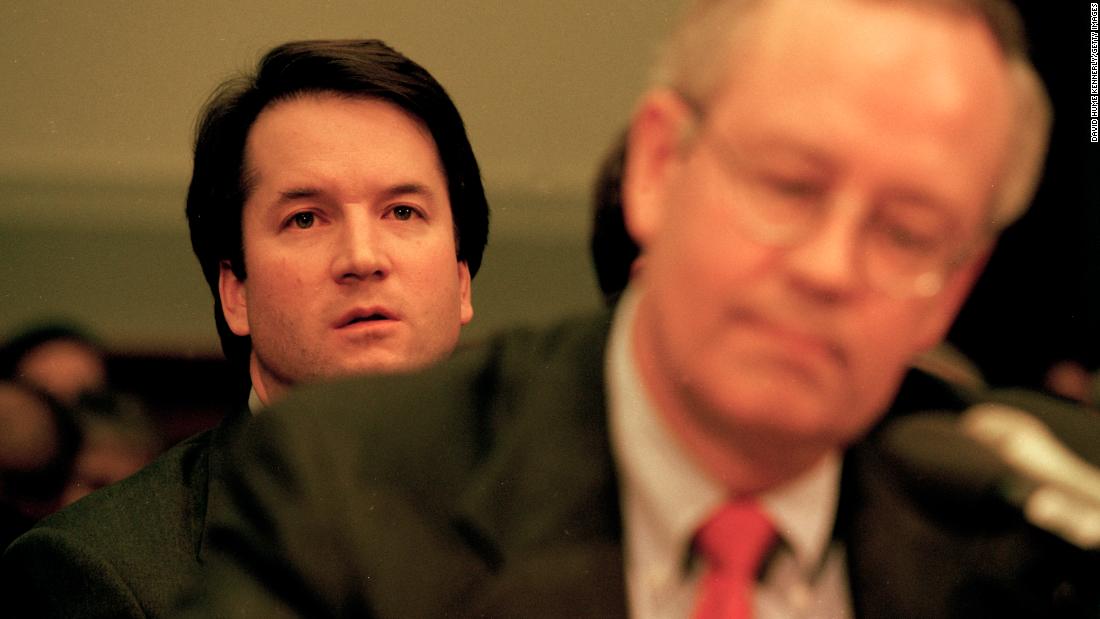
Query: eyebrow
[923,200]
[394,191]
[771,147]
[404,189]
[297,193]
[803,152]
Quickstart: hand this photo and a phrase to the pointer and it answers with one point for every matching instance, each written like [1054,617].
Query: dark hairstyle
[357,68]
[613,250]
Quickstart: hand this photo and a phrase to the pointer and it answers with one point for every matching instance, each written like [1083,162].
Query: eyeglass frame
[922,285]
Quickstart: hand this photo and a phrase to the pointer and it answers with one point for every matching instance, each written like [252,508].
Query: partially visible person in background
[39,442]
[56,358]
[118,440]
[1071,380]
[68,366]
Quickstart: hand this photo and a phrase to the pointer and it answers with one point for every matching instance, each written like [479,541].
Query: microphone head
[943,466]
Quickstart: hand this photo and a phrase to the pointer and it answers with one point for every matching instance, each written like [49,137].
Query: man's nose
[827,263]
[360,252]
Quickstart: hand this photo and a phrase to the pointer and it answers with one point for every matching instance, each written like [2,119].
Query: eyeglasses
[908,246]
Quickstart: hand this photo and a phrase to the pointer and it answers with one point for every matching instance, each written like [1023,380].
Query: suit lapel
[208,486]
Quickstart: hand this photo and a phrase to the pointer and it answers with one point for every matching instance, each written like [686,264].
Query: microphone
[997,452]
[1067,498]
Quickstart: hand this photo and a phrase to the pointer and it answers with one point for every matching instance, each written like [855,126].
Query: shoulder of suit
[160,494]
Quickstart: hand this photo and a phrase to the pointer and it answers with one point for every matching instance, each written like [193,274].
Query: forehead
[314,125]
[932,46]
[914,86]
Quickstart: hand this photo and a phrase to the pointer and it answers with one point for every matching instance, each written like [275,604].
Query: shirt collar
[667,497]
[803,511]
[255,404]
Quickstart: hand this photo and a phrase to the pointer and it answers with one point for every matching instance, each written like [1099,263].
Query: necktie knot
[733,542]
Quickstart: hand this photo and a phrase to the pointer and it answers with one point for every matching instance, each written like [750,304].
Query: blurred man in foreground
[338,214]
[814,187]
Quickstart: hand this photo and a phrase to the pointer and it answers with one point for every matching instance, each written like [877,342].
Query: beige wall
[98,101]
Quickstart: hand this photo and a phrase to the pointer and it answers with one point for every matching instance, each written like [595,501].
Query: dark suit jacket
[128,550]
[485,487]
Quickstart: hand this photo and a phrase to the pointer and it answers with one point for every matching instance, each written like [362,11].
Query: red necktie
[733,543]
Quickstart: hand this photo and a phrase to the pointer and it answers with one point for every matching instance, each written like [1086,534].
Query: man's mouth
[364,316]
[800,341]
[370,318]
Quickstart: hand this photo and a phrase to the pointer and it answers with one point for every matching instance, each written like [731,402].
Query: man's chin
[796,409]
[380,362]
[366,367]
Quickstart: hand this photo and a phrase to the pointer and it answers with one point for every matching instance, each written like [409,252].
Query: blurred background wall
[98,101]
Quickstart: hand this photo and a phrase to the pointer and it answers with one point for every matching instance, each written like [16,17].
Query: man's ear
[947,303]
[234,299]
[654,147]
[465,293]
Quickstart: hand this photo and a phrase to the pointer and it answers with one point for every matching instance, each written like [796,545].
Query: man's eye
[403,213]
[794,188]
[905,239]
[303,220]
[913,232]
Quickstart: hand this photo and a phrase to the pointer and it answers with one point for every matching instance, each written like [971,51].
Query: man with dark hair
[250,181]
[338,214]
[814,187]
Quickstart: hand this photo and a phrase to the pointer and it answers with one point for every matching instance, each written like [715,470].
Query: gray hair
[688,64]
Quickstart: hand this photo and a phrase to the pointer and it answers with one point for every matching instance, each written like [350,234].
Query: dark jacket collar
[209,490]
